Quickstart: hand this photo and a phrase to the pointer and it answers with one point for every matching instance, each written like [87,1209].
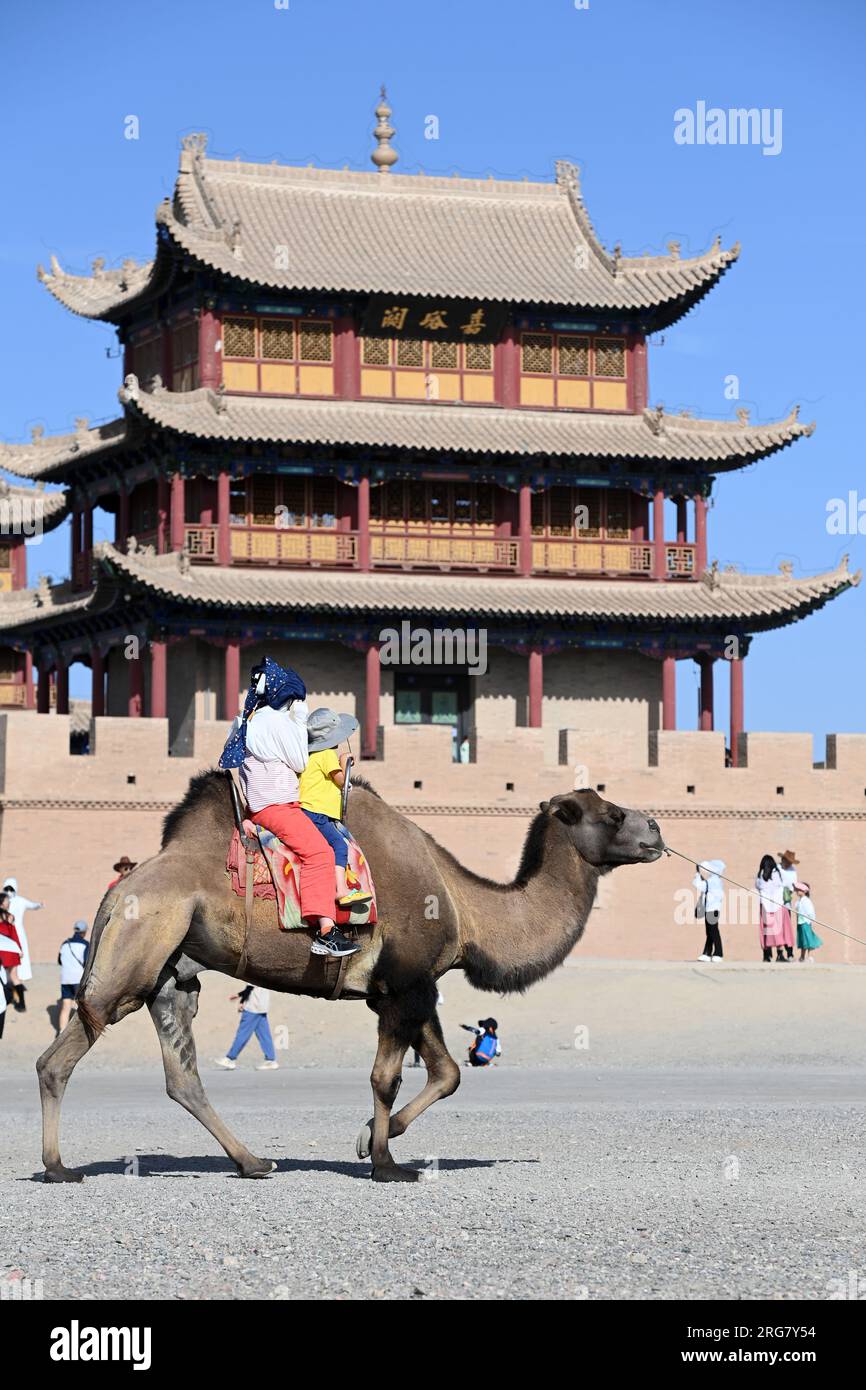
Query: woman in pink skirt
[775,928]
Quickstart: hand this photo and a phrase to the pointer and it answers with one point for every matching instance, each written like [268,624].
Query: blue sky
[514,86]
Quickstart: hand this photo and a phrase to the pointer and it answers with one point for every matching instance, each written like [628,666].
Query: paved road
[566,1183]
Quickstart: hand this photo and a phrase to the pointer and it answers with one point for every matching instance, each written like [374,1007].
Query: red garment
[12,958]
[316,858]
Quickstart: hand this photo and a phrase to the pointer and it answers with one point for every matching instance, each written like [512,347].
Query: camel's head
[603,834]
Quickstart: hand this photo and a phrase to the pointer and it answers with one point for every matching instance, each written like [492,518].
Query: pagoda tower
[353,401]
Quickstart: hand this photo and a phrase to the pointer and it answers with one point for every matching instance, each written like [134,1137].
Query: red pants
[318,883]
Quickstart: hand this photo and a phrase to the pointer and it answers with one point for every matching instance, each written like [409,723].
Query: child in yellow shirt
[321,791]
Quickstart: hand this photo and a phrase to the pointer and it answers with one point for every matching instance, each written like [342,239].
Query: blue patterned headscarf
[270,684]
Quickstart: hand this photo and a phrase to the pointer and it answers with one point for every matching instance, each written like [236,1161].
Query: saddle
[276,875]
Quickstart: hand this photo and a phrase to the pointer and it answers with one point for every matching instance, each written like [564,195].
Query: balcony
[421,550]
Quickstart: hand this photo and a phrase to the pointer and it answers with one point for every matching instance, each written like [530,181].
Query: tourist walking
[788,863]
[71,958]
[710,898]
[803,909]
[11,951]
[10,954]
[253,1008]
[775,919]
[18,905]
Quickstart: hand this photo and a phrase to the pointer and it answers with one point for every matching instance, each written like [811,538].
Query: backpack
[486,1047]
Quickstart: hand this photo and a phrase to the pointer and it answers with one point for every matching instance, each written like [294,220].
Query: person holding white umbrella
[17,906]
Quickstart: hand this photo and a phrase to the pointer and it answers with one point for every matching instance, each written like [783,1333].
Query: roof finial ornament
[384,156]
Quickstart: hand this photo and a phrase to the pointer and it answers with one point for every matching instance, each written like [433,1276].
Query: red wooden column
[231,679]
[43,690]
[682,522]
[209,357]
[62,688]
[364,524]
[737,708]
[158,680]
[29,693]
[346,361]
[536,686]
[700,535]
[640,387]
[524,565]
[659,561]
[97,683]
[178,512]
[162,515]
[224,540]
[19,564]
[705,664]
[506,369]
[669,692]
[135,701]
[370,740]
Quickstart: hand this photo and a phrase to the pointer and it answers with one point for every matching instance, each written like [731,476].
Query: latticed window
[278,341]
[484,504]
[294,499]
[184,357]
[618,515]
[264,501]
[445,356]
[609,357]
[322,503]
[285,503]
[376,352]
[479,357]
[315,342]
[560,511]
[239,337]
[147,360]
[537,352]
[574,357]
[417,502]
[410,352]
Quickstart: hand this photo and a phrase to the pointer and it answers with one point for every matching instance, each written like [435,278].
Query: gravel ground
[581,1183]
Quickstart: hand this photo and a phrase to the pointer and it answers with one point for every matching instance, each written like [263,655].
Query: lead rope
[747,889]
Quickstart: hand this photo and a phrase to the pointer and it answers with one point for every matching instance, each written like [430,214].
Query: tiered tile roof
[651,437]
[330,230]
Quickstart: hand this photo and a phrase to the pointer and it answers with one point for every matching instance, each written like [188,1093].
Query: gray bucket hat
[326,728]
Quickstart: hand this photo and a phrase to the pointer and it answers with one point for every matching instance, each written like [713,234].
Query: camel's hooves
[392,1172]
[263,1169]
[62,1174]
[364,1142]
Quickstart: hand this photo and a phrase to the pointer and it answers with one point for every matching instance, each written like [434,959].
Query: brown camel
[176,915]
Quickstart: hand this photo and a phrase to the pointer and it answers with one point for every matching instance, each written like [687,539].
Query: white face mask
[299,710]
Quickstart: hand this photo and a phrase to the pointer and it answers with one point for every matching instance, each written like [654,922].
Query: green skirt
[807,937]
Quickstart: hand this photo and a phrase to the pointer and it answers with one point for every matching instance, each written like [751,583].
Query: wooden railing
[431,550]
[274,545]
[569,556]
[328,548]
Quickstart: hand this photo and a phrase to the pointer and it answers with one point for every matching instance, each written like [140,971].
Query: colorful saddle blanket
[276,875]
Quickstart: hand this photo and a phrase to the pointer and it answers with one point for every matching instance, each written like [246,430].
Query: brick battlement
[65,819]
